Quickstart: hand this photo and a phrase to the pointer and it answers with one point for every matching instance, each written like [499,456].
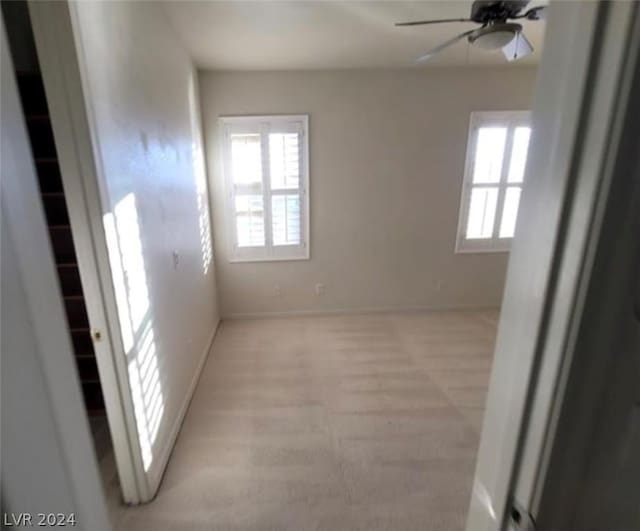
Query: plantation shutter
[267,179]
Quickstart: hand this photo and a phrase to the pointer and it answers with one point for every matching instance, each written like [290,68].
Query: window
[267,183]
[496,158]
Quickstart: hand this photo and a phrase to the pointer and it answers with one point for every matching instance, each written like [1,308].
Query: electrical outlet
[439,285]
[319,289]
[176,259]
[277,291]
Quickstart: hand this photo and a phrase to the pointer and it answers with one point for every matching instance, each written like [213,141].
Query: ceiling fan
[495,31]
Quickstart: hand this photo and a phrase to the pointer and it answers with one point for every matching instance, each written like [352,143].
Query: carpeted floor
[356,422]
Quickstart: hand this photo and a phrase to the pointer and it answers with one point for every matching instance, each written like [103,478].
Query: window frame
[263,124]
[478,119]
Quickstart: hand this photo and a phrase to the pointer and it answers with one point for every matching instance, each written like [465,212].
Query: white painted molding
[71,120]
[563,191]
[362,310]
[32,265]
[165,454]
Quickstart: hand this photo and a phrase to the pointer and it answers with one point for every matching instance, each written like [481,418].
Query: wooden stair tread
[38,121]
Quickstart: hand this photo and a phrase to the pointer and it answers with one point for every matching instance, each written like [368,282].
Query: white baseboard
[163,457]
[363,310]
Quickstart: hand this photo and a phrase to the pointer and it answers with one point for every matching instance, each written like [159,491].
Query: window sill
[482,251]
[483,246]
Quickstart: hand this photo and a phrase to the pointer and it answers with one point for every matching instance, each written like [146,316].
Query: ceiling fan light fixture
[495,31]
[494,36]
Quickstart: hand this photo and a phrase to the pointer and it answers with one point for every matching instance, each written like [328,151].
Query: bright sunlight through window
[494,172]
[267,181]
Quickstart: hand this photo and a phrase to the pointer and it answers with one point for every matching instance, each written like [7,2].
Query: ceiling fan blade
[444,45]
[518,48]
[535,13]
[423,22]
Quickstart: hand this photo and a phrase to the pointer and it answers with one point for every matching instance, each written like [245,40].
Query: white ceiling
[303,34]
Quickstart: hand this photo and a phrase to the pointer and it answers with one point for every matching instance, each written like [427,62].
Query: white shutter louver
[284,157]
[246,169]
[267,176]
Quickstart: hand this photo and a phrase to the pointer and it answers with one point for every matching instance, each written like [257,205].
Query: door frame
[552,254]
[32,268]
[53,28]
[612,112]
[540,279]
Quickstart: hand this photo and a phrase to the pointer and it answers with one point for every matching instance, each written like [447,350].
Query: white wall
[387,152]
[141,95]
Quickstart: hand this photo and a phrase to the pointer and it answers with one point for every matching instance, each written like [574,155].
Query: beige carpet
[358,422]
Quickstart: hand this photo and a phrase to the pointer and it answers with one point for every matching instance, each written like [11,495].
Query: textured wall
[141,91]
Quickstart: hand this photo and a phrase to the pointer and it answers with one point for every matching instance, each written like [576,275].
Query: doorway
[54,203]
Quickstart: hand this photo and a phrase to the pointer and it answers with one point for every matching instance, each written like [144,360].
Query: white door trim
[72,126]
[564,181]
[23,225]
[593,169]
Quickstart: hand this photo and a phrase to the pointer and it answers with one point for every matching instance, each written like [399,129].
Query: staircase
[36,112]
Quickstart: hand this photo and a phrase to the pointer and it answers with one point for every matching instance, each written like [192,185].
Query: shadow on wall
[136,321]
